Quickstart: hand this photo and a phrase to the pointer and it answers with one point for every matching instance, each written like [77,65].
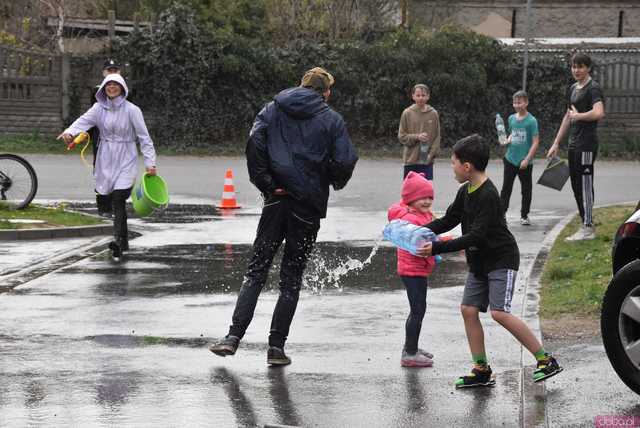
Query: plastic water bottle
[408,236]
[502,132]
[424,152]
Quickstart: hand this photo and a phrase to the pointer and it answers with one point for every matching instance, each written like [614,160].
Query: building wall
[550,18]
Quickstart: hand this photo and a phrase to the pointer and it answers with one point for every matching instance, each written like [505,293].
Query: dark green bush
[200,88]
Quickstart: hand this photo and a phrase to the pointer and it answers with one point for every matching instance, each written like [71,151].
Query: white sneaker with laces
[525,221]
[584,233]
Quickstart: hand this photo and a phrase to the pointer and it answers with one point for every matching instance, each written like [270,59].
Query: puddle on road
[219,268]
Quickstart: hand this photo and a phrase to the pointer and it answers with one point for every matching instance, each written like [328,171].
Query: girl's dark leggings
[119,198]
[417,293]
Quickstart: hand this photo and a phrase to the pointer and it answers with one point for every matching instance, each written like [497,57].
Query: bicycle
[18,182]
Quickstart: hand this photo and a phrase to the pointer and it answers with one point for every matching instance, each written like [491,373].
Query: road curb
[56,232]
[534,413]
[51,263]
[533,395]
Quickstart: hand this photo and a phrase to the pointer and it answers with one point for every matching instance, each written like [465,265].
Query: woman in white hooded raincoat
[121,125]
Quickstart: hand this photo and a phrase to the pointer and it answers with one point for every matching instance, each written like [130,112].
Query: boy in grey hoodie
[419,133]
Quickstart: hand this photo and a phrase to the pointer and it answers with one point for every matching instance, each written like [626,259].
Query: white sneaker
[525,221]
[425,353]
[589,232]
[584,233]
[415,360]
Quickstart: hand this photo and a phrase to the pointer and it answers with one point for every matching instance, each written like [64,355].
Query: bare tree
[404,13]
[57,7]
[333,19]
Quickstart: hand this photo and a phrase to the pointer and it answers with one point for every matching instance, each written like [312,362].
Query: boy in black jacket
[298,148]
[493,259]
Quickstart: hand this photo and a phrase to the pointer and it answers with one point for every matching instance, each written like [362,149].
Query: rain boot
[116,251]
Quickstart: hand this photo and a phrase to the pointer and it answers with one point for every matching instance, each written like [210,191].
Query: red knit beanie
[415,187]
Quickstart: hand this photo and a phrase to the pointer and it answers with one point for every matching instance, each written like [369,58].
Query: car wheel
[620,324]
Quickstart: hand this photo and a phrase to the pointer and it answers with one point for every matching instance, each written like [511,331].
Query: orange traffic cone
[228,200]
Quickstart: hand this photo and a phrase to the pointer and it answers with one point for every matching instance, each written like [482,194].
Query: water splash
[323,272]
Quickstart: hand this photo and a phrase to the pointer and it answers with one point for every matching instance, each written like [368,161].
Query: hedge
[201,89]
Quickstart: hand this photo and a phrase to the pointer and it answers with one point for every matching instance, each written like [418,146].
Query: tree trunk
[404,13]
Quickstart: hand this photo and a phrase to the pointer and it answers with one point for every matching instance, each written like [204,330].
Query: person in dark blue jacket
[297,148]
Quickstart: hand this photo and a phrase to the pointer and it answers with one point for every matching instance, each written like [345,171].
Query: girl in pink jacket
[415,207]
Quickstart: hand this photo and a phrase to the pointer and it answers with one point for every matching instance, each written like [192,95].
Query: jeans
[280,220]
[427,170]
[417,293]
[526,184]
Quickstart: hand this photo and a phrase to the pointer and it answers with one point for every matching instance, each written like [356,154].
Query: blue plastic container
[408,236]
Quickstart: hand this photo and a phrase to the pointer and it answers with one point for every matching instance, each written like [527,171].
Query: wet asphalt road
[104,344]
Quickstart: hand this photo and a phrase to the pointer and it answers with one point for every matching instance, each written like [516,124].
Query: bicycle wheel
[18,182]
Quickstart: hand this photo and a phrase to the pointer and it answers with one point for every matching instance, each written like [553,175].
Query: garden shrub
[200,87]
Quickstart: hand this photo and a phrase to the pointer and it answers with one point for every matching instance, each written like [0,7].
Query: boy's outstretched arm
[474,237]
[451,219]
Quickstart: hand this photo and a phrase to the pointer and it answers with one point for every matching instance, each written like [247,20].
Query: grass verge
[624,148]
[576,274]
[34,143]
[52,217]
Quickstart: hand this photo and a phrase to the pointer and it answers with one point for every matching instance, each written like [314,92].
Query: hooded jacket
[408,264]
[121,125]
[413,122]
[300,144]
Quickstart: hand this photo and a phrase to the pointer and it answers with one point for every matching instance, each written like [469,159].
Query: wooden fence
[30,92]
[620,81]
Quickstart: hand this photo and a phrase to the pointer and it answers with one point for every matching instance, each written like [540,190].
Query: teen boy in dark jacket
[298,146]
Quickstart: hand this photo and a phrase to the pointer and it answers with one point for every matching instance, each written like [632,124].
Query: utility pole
[527,35]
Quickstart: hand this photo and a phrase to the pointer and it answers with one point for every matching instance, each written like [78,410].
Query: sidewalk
[23,260]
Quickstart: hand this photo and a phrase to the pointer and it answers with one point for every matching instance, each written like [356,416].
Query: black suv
[620,319]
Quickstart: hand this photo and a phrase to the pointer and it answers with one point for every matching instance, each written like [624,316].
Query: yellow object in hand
[80,138]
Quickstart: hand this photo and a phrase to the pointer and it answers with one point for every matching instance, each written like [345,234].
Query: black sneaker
[480,376]
[546,368]
[226,346]
[116,251]
[276,357]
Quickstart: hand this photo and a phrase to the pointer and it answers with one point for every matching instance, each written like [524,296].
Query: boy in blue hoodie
[297,148]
